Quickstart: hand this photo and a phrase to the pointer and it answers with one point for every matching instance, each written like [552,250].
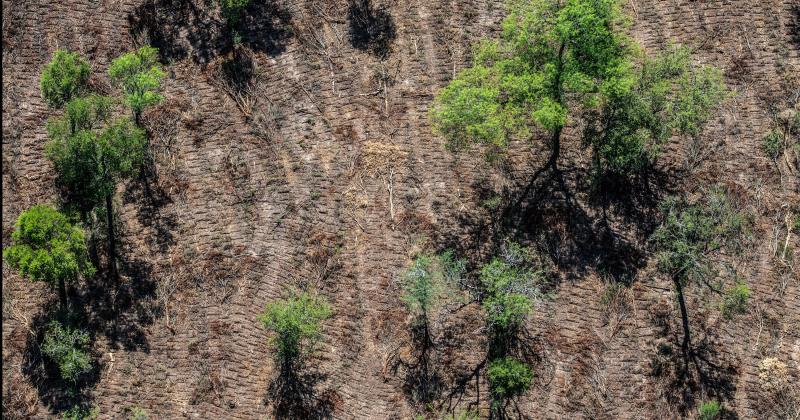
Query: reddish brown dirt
[283,186]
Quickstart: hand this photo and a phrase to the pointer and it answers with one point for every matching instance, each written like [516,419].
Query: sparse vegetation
[64,78]
[735,300]
[709,410]
[68,348]
[47,247]
[81,412]
[296,323]
[688,234]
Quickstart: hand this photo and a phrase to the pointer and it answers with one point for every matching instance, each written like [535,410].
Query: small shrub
[67,347]
[63,78]
[297,325]
[509,377]
[509,287]
[429,280]
[735,301]
[80,412]
[232,10]
[137,413]
[709,410]
[492,203]
[772,145]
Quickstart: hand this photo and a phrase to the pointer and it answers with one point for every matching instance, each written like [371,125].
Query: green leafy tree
[735,300]
[508,378]
[297,326]
[670,96]
[63,78]
[139,73]
[686,237]
[45,246]
[551,53]
[561,60]
[67,347]
[91,154]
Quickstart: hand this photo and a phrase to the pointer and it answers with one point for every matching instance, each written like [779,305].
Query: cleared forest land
[298,153]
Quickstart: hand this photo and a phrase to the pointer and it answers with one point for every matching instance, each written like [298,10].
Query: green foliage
[509,377]
[136,413]
[735,301]
[47,247]
[80,412]
[232,10]
[139,73]
[63,78]
[89,158]
[709,410]
[548,50]
[492,203]
[296,323]
[772,144]
[669,96]
[67,347]
[689,232]
[429,281]
[509,286]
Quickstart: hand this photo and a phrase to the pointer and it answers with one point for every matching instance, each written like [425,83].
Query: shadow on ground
[188,28]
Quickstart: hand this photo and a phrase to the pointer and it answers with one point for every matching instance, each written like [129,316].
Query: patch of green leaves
[709,410]
[47,247]
[509,377]
[735,300]
[139,74]
[63,78]
[296,323]
[68,348]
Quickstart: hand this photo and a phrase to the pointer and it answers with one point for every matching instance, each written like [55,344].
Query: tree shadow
[55,393]
[185,28]
[688,379]
[151,201]
[293,395]
[564,228]
[372,29]
[422,382]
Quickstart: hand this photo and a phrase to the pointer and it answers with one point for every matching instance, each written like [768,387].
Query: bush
[45,246]
[67,347]
[429,281]
[139,73]
[509,377]
[296,323]
[735,301]
[772,144]
[136,413]
[709,410]
[509,286]
[80,412]
[63,78]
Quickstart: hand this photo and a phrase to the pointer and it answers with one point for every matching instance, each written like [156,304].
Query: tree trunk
[112,254]
[687,340]
[62,293]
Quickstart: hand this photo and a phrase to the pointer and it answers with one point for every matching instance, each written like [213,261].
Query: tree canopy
[45,246]
[297,325]
[139,73]
[63,78]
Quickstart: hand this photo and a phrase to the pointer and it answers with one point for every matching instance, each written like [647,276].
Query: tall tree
[562,60]
[688,234]
[91,154]
[46,247]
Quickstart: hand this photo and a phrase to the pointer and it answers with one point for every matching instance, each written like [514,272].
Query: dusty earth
[303,157]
